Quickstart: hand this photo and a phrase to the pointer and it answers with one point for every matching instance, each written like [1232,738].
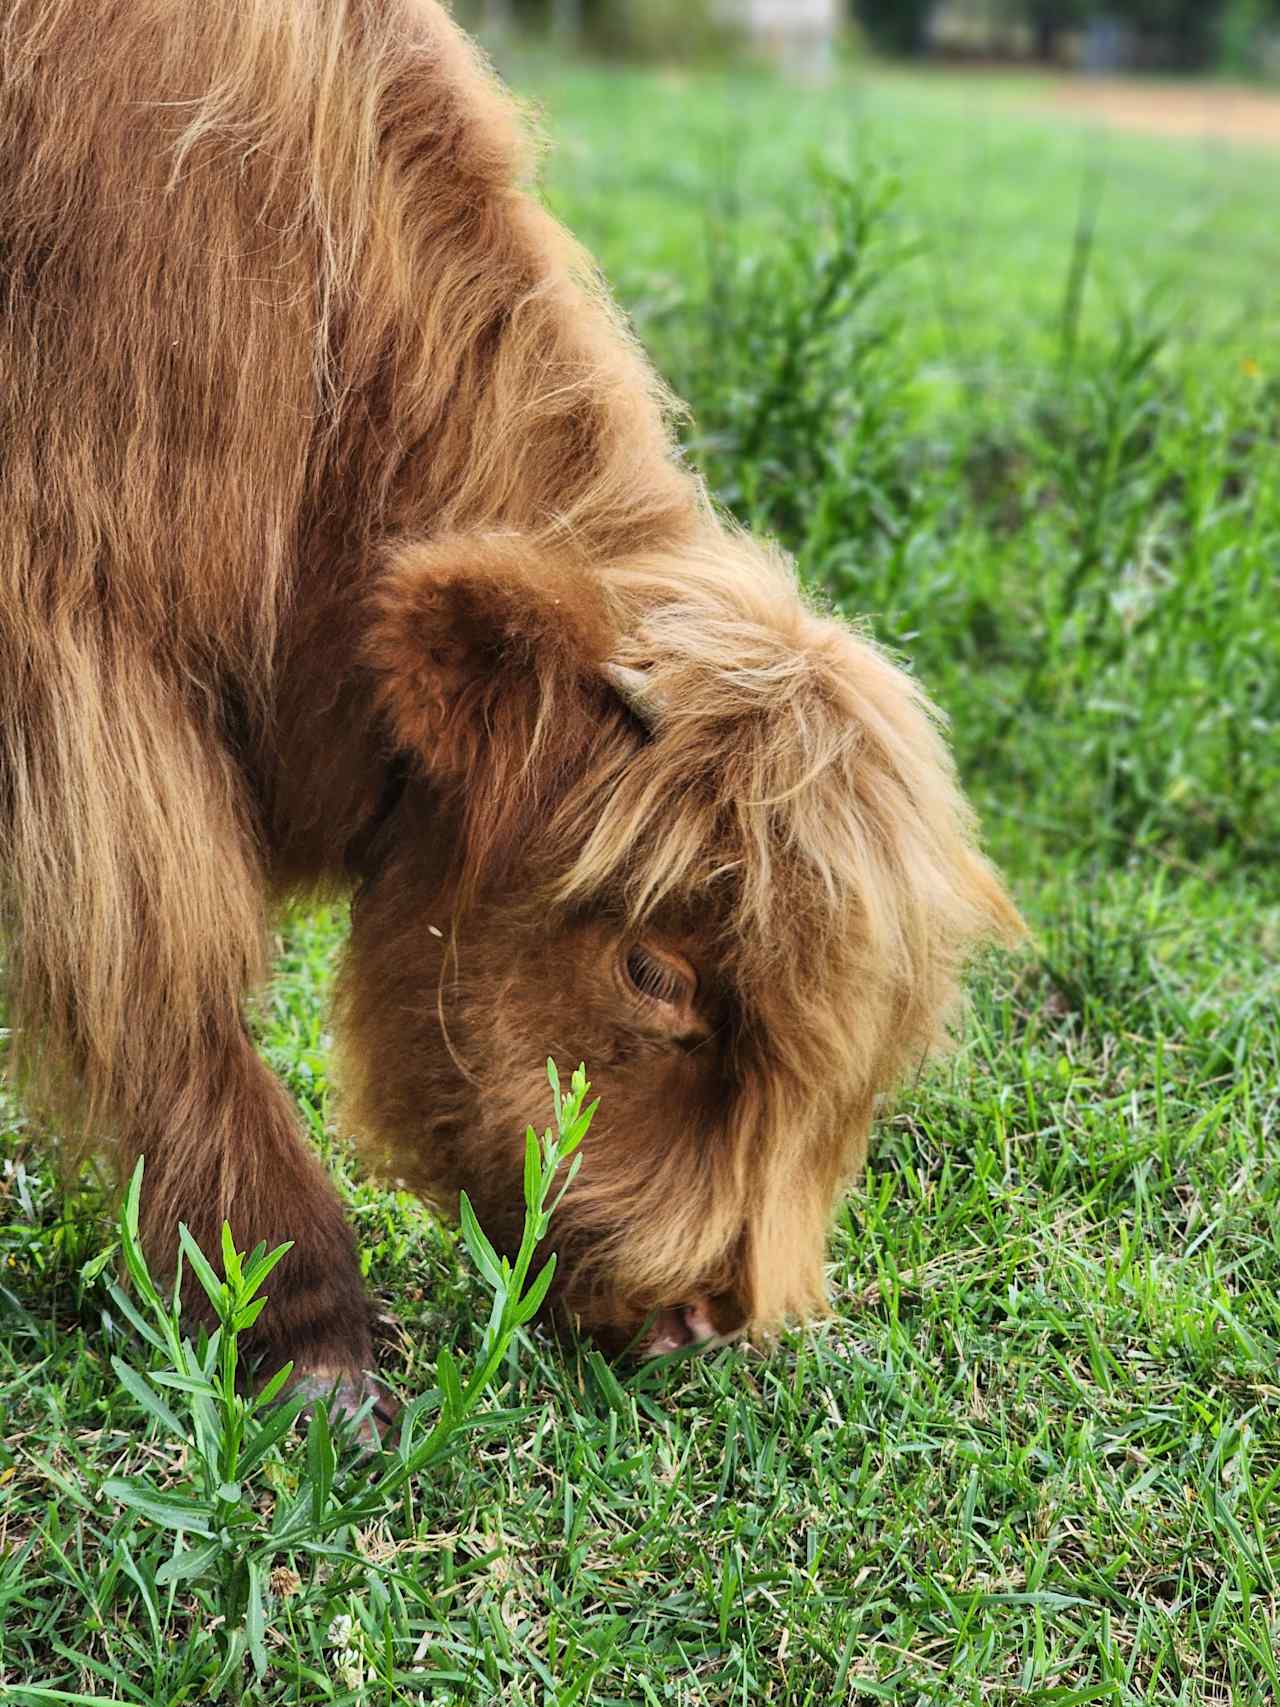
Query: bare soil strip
[1216,112]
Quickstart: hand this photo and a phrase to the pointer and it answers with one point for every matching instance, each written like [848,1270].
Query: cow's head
[671,821]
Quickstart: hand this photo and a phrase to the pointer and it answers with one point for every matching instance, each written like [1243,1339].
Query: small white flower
[348,1662]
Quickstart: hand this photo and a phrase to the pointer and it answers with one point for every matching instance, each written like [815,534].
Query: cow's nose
[680,1325]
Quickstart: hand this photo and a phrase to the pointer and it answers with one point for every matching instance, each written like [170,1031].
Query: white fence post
[497,19]
[566,19]
[799,35]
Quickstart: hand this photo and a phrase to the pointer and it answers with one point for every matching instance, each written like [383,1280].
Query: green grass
[1035,1454]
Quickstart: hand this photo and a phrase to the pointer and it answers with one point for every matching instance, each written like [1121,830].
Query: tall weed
[1082,563]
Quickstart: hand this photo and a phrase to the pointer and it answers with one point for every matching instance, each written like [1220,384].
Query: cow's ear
[477,638]
[490,657]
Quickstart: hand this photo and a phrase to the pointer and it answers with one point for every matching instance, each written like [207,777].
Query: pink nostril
[698,1323]
[678,1326]
[666,1333]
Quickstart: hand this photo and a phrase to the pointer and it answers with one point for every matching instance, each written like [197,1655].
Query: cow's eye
[650,978]
[660,977]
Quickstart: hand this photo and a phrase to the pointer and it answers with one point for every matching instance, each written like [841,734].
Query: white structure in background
[495,19]
[977,27]
[799,35]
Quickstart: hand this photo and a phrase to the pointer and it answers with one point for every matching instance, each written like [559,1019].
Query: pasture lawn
[1011,388]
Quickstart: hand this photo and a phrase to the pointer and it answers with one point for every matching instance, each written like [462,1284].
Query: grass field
[1011,389]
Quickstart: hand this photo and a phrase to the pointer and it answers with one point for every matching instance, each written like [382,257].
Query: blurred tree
[1183,34]
[1048,19]
[895,26]
[1187,30]
[1190,34]
[1244,26]
[1187,34]
[690,31]
[566,18]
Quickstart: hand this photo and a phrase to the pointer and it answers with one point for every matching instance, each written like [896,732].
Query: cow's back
[272,287]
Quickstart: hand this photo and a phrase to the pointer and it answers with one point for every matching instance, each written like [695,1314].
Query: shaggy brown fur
[326,461]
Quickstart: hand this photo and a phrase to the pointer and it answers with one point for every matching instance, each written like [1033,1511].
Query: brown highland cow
[344,545]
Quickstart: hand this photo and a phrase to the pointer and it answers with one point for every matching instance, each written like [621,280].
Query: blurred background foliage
[1239,36]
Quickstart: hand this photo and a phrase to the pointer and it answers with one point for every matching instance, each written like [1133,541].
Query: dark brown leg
[135,929]
[227,1148]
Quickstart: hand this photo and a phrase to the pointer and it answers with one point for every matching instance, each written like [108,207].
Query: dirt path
[1217,112]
